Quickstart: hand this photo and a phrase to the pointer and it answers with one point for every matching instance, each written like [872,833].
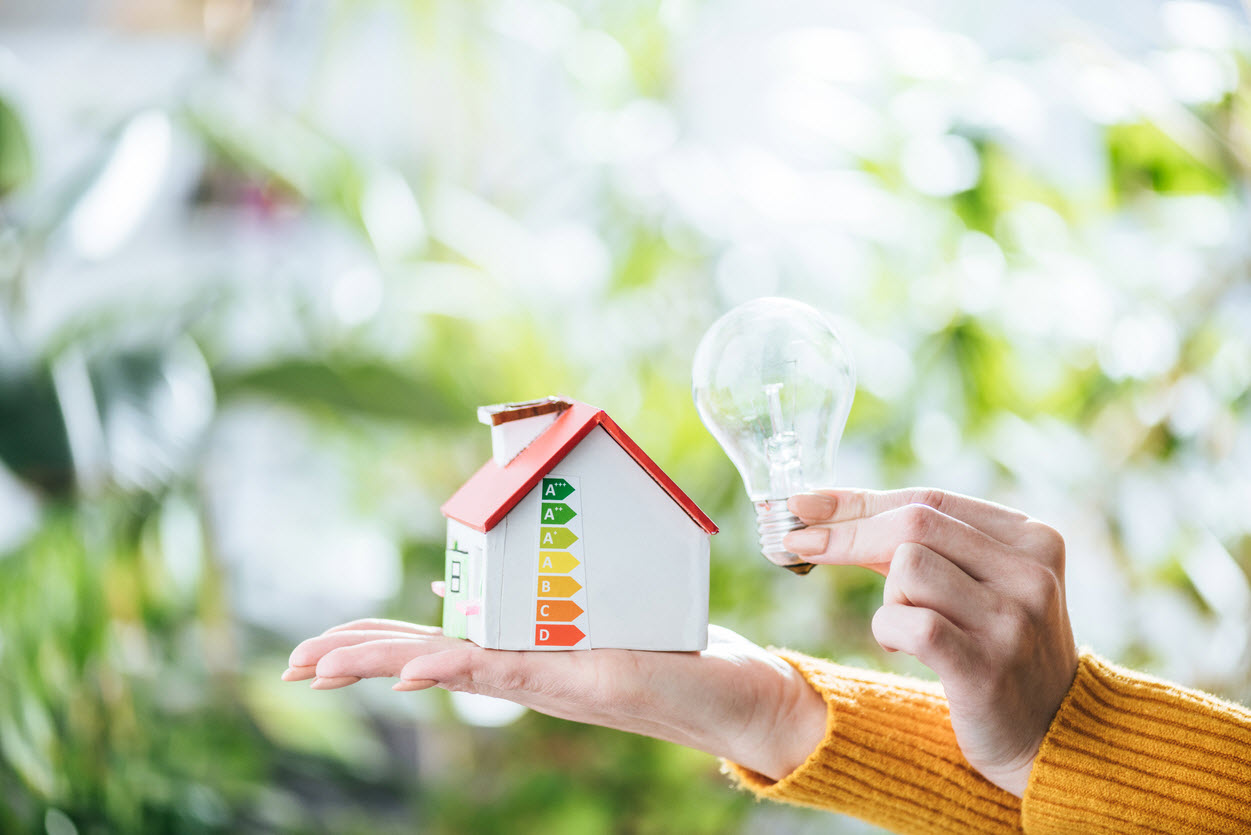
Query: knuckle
[929,496]
[1046,542]
[1049,592]
[509,677]
[917,522]
[842,538]
[465,675]
[929,629]
[1043,585]
[911,561]
[855,503]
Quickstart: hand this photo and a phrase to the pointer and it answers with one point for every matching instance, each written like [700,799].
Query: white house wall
[469,551]
[645,560]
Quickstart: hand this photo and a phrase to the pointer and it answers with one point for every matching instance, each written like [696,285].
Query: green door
[456,583]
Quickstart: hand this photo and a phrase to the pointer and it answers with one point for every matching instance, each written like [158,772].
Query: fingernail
[298,673]
[332,682]
[410,684]
[806,541]
[811,506]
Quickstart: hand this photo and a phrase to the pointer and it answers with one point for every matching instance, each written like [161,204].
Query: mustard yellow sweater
[1126,753]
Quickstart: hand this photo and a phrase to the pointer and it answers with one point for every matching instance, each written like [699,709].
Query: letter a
[549,514]
[550,491]
[547,538]
[547,561]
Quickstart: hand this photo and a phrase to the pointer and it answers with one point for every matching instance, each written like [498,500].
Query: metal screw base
[774,520]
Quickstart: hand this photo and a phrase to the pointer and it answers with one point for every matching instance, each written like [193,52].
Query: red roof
[487,497]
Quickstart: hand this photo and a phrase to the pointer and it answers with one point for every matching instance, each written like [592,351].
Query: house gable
[493,491]
[644,561]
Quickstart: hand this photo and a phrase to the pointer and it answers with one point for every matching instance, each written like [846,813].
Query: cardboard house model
[570,537]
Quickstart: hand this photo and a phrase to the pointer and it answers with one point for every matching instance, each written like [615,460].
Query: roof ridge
[492,492]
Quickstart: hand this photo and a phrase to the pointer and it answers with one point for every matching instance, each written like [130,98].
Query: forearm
[1129,753]
[889,757]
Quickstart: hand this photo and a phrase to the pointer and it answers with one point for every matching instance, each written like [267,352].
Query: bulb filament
[781,449]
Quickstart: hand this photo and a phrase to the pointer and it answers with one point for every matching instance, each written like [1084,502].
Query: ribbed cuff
[1127,753]
[889,757]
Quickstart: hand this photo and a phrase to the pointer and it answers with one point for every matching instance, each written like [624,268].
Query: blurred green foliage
[209,456]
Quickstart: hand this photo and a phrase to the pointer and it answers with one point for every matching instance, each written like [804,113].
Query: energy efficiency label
[560,616]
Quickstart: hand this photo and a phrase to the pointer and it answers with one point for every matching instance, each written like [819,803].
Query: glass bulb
[773,384]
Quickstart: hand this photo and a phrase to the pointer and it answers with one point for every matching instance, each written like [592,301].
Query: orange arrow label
[557,586]
[562,635]
[556,610]
[557,562]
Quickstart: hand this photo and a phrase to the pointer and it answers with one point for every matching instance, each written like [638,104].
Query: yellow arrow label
[558,586]
[557,562]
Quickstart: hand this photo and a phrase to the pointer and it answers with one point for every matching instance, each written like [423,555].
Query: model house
[570,537]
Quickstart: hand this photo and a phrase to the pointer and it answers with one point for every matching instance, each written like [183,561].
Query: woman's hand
[732,700]
[975,591]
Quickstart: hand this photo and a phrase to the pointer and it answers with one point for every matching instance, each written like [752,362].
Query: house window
[454,580]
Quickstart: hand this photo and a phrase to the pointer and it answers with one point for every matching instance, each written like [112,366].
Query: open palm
[733,699]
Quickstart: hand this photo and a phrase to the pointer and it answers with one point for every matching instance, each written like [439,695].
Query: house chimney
[515,425]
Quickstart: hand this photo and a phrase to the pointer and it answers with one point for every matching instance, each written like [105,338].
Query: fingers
[309,659]
[344,658]
[308,653]
[332,682]
[302,664]
[541,680]
[379,658]
[441,667]
[385,624]
[922,578]
[466,666]
[365,648]
[299,672]
[1002,523]
[924,634]
[866,541]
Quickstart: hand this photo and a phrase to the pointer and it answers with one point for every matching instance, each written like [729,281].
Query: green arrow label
[557,513]
[556,537]
[556,489]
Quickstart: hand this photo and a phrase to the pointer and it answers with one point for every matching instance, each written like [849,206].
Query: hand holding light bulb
[773,384]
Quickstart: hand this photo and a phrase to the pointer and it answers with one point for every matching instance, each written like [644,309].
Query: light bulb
[773,384]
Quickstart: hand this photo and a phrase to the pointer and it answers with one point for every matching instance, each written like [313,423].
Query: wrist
[787,734]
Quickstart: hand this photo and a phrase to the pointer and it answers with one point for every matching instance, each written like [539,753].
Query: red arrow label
[557,635]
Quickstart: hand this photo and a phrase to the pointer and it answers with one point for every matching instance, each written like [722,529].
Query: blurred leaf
[361,387]
[1144,158]
[270,144]
[16,165]
[33,442]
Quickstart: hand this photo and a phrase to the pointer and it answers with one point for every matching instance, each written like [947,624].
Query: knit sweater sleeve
[1127,753]
[889,757]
